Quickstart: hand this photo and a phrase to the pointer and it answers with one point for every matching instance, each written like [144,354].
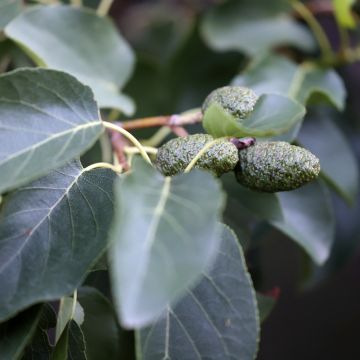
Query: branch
[169,120]
[316,28]
[104,7]
[118,144]
[179,131]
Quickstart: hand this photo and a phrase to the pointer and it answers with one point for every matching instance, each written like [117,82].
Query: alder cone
[174,156]
[238,101]
[276,166]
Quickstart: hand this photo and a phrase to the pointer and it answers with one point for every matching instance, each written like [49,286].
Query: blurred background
[317,315]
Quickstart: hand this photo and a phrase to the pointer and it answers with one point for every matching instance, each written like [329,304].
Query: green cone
[174,156]
[276,166]
[236,100]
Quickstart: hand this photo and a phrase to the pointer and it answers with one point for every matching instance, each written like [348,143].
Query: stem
[129,137]
[118,143]
[4,64]
[162,133]
[106,149]
[104,7]
[318,31]
[205,148]
[179,131]
[350,56]
[345,46]
[145,122]
[104,165]
[135,150]
[186,118]
[74,304]
[158,137]
[168,120]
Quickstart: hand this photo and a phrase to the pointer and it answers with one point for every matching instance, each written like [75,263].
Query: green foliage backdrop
[81,102]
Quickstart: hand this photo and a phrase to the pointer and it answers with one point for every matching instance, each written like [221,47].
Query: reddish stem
[179,131]
[145,122]
[167,120]
[118,144]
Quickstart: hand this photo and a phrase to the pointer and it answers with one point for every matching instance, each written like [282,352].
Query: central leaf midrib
[154,224]
[94,123]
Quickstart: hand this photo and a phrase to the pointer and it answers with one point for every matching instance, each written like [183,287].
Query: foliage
[81,197]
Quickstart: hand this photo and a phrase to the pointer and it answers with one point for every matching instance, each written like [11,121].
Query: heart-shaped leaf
[305,83]
[271,73]
[81,43]
[100,327]
[46,119]
[160,228]
[305,214]
[272,115]
[252,28]
[308,219]
[71,344]
[51,233]
[217,319]
[68,310]
[338,163]
[262,205]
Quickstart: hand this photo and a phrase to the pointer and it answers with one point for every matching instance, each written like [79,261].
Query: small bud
[243,143]
[236,100]
[174,156]
[276,166]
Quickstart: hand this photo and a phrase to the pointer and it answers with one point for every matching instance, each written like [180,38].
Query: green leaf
[272,115]
[320,85]
[239,220]
[71,345]
[265,305]
[338,163]
[51,233]
[262,205]
[46,119]
[245,208]
[306,83]
[343,13]
[65,314]
[276,74]
[100,328]
[8,10]
[305,215]
[81,43]
[160,227]
[217,319]
[40,347]
[252,29]
[16,333]
[308,219]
